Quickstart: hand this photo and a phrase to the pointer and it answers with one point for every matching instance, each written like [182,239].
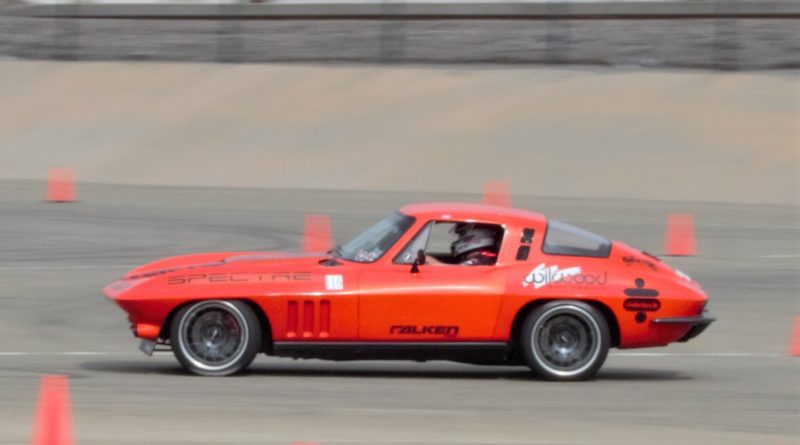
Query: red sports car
[442,281]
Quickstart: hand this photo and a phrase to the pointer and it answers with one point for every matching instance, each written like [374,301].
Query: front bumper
[698,324]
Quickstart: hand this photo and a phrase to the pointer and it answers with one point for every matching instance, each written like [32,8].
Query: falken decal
[334,282]
[542,275]
[447,331]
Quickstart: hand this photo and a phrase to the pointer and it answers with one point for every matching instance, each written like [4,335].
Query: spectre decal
[204,278]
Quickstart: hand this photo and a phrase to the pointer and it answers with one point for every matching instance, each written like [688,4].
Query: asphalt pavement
[734,384]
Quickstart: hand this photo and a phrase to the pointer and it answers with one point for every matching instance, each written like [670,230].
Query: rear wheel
[215,337]
[565,340]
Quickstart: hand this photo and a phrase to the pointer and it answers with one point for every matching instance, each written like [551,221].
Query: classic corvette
[440,281]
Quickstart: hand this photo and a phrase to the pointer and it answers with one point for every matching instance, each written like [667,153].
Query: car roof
[464,211]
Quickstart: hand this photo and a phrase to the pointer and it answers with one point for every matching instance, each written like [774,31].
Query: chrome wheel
[566,341]
[216,337]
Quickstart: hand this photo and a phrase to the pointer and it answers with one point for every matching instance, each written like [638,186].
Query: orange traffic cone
[497,193]
[53,422]
[60,185]
[317,233]
[794,341]
[680,239]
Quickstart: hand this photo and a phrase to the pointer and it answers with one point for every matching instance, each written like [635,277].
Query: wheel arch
[266,331]
[528,308]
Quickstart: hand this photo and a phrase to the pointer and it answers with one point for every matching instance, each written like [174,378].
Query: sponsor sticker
[543,275]
[641,304]
[633,261]
[207,278]
[447,331]
[640,290]
[683,275]
[334,282]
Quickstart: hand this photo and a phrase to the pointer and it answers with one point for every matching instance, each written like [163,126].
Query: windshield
[564,239]
[372,244]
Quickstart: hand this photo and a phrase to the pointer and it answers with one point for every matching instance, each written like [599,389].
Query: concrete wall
[706,42]
[638,134]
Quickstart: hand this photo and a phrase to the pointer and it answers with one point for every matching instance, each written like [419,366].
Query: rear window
[564,239]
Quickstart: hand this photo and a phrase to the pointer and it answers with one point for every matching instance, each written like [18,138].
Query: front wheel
[565,340]
[215,337]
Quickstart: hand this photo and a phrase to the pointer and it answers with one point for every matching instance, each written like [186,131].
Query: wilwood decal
[542,275]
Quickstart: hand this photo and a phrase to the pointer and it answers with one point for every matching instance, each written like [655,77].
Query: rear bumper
[698,324]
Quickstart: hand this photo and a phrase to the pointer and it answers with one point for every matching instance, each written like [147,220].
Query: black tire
[215,337]
[565,340]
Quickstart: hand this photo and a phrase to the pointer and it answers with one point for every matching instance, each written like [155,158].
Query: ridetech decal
[542,275]
[641,304]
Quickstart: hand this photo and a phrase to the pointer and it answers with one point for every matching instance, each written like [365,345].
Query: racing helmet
[471,237]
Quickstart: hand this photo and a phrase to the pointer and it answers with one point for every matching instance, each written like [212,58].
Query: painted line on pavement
[82,267]
[695,354]
[614,354]
[44,354]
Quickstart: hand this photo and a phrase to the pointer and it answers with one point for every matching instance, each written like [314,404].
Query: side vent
[308,319]
[315,319]
[324,318]
[291,323]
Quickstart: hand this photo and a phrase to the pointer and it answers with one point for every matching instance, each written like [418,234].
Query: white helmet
[471,238]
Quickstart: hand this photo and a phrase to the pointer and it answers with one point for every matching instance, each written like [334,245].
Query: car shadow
[137,367]
[636,374]
[388,370]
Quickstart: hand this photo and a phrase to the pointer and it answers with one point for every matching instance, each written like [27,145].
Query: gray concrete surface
[602,133]
[706,43]
[732,385]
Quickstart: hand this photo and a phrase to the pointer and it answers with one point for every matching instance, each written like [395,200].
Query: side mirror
[418,261]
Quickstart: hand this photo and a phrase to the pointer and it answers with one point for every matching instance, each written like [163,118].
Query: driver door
[445,302]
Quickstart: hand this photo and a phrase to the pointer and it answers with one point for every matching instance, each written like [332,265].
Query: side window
[455,243]
[564,239]
[408,254]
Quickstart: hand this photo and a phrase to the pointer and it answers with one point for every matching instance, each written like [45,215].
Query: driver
[475,246]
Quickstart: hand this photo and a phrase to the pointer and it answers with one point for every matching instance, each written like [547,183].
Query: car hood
[222,259]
